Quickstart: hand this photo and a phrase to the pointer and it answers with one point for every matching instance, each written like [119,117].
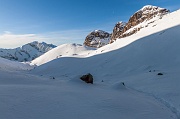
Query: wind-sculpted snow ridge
[26,52]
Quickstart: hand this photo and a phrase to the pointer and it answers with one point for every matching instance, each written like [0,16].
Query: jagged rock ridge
[146,13]
[97,38]
[26,52]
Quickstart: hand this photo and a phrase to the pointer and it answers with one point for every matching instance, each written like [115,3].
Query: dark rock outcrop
[160,74]
[88,78]
[118,29]
[146,13]
[97,38]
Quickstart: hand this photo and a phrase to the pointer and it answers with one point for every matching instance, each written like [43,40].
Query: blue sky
[65,21]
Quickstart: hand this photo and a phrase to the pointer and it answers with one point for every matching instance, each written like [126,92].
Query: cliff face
[144,14]
[97,38]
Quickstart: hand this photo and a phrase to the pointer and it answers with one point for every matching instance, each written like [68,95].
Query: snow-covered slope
[27,52]
[140,57]
[65,50]
[137,52]
[7,65]
[27,96]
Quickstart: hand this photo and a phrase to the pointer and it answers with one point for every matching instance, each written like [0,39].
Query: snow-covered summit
[149,11]
[151,8]
[97,38]
[26,52]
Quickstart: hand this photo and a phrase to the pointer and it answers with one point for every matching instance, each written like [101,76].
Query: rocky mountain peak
[144,14]
[97,38]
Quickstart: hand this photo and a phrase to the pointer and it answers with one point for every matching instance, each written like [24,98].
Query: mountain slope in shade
[26,52]
[8,65]
[31,96]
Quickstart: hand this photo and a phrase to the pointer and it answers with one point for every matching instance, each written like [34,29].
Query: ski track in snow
[161,100]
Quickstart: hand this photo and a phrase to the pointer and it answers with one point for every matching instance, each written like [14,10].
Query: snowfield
[53,89]
[36,97]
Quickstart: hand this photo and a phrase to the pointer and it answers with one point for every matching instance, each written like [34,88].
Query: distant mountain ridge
[27,52]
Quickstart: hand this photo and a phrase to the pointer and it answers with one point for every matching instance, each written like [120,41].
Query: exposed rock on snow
[88,78]
[97,38]
[144,14]
[26,52]
[160,74]
[118,29]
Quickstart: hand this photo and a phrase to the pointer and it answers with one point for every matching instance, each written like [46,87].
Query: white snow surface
[65,50]
[7,65]
[53,89]
[149,9]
